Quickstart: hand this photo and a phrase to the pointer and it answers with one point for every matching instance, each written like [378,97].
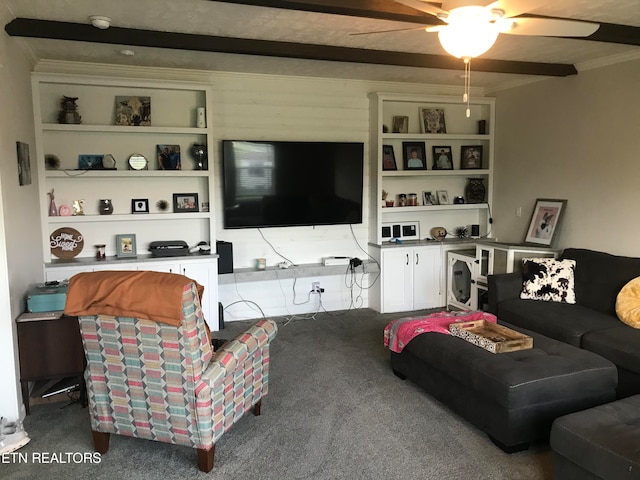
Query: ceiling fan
[471,27]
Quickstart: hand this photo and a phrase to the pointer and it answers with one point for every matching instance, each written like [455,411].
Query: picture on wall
[126,245]
[139,205]
[414,156]
[168,157]
[185,202]
[432,120]
[442,158]
[400,125]
[133,111]
[24,163]
[471,156]
[443,197]
[388,158]
[545,221]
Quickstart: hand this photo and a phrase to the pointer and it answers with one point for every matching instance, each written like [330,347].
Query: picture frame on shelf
[545,220]
[139,205]
[133,111]
[427,198]
[414,156]
[470,157]
[168,157]
[400,124]
[388,158]
[90,162]
[443,197]
[185,202]
[126,245]
[432,120]
[442,158]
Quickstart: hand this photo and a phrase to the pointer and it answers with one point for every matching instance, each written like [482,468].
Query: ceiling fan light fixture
[468,41]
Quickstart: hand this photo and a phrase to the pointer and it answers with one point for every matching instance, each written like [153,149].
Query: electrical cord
[273,248]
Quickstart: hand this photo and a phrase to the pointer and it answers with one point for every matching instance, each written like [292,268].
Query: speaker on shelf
[225,256]
[475,231]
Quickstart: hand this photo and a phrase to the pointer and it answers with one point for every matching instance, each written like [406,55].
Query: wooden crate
[491,336]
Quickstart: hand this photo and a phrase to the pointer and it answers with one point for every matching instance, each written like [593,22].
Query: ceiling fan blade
[550,27]
[435,29]
[390,31]
[424,7]
[512,8]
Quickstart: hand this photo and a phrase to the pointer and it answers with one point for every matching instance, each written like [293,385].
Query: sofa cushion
[603,440]
[548,279]
[628,303]
[618,344]
[561,321]
[599,277]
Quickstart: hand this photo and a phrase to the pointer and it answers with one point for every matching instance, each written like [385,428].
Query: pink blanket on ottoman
[398,333]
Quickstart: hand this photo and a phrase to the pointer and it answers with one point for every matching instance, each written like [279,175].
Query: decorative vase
[475,190]
[105,207]
[199,154]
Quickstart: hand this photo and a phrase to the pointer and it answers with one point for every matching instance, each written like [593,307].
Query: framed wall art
[185,202]
[140,205]
[432,120]
[470,156]
[413,155]
[168,157]
[442,158]
[388,158]
[400,125]
[133,111]
[126,245]
[545,220]
[443,197]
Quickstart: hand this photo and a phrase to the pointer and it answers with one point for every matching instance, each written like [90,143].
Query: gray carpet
[334,411]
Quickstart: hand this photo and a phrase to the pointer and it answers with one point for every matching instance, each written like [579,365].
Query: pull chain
[467,84]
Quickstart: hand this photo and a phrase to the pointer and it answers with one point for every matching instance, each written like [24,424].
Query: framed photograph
[400,125]
[24,163]
[427,198]
[432,120]
[470,156]
[126,245]
[139,205]
[545,220]
[168,157]
[388,158]
[90,162]
[134,111]
[443,197]
[414,156]
[185,202]
[442,158]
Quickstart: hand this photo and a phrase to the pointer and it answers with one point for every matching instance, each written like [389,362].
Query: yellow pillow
[628,303]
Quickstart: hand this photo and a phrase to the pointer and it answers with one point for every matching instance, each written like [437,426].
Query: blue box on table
[47,298]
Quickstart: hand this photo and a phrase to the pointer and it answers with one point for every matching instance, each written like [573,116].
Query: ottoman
[599,443]
[514,397]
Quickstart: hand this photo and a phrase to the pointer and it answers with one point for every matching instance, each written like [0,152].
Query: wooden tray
[491,336]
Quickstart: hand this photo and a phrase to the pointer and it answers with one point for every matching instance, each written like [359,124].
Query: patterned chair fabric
[152,380]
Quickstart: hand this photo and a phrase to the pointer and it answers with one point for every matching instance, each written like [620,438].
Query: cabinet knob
[407,259]
[417,258]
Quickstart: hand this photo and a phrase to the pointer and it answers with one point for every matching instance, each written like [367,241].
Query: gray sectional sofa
[591,323]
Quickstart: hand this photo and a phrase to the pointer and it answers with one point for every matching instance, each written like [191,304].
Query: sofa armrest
[502,287]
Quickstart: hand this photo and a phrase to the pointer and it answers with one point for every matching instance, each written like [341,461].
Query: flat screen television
[277,184]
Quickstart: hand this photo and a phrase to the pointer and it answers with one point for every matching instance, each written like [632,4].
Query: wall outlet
[315,287]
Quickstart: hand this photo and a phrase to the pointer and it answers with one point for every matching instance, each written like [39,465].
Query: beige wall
[574,138]
[20,238]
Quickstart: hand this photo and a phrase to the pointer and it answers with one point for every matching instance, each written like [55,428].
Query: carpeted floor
[334,411]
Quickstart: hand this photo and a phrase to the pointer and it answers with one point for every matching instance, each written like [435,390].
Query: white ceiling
[242,21]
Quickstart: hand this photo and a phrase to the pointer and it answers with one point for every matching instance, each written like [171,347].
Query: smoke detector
[100,21]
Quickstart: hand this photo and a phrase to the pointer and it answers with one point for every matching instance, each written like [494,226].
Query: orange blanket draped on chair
[141,294]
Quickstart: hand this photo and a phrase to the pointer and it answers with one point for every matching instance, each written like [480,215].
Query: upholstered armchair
[159,379]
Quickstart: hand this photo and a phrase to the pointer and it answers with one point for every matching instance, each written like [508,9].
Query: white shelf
[138,217]
[55,127]
[435,208]
[135,174]
[434,136]
[435,173]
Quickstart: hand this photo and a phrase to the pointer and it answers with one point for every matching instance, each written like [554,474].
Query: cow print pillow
[548,279]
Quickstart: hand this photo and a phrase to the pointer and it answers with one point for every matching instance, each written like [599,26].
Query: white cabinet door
[160,267]
[427,275]
[62,274]
[397,280]
[206,274]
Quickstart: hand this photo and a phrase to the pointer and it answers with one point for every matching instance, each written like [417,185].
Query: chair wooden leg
[257,408]
[100,441]
[205,459]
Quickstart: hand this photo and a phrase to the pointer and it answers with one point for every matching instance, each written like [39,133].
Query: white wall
[20,244]
[574,138]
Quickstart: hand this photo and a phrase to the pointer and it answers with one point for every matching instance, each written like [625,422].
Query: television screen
[275,184]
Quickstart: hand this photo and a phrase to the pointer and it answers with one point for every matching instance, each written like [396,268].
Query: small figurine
[69,111]
[78,207]
[53,211]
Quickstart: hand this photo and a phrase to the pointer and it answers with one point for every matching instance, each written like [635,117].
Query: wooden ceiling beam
[27,27]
